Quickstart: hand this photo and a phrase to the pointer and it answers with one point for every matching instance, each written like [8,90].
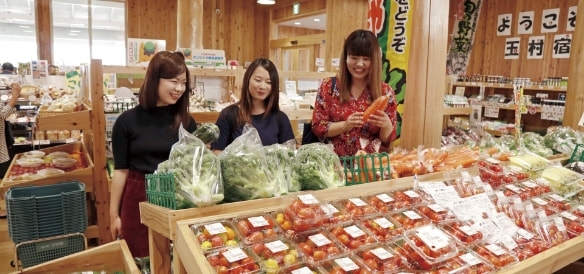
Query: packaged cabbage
[562,180]
[529,161]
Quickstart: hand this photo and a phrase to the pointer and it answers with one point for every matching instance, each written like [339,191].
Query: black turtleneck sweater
[142,139]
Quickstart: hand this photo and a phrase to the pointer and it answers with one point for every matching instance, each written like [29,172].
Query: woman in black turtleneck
[142,138]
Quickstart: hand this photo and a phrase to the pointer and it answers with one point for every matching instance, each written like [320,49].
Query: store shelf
[509,86]
[211,117]
[457,111]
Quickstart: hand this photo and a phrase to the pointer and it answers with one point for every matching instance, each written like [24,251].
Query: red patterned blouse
[328,109]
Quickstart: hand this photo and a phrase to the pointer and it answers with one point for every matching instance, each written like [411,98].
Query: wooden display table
[111,257]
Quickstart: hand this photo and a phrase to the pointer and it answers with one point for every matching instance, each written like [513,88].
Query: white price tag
[470,259]
[560,223]
[258,221]
[276,246]
[436,208]
[381,253]
[557,197]
[385,198]
[530,184]
[513,188]
[568,216]
[354,231]
[488,189]
[495,249]
[539,201]
[525,234]
[508,242]
[319,239]
[434,238]
[541,215]
[234,254]
[412,215]
[580,208]
[383,223]
[215,228]
[303,270]
[491,112]
[346,264]
[308,199]
[329,209]
[468,230]
[357,202]
[412,194]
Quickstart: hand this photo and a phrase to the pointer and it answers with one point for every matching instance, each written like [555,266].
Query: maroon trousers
[133,231]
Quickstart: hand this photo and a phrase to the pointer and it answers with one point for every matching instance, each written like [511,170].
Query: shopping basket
[31,253]
[366,168]
[160,190]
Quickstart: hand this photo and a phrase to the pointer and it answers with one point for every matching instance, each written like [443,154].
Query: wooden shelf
[457,111]
[509,86]
[211,117]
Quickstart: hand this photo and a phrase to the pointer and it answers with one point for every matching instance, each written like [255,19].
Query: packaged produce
[214,235]
[552,230]
[207,132]
[316,166]
[436,213]
[562,139]
[466,263]
[428,246]
[301,267]
[256,228]
[540,204]
[535,143]
[343,265]
[383,202]
[535,189]
[466,188]
[495,254]
[379,258]
[410,197]
[574,224]
[409,219]
[491,171]
[384,229]
[318,246]
[558,202]
[462,232]
[352,235]
[335,214]
[277,254]
[357,208]
[196,170]
[562,180]
[304,213]
[234,260]
[529,161]
[513,190]
[280,163]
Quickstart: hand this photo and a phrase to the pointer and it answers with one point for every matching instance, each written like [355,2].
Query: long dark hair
[361,43]
[166,65]
[245,103]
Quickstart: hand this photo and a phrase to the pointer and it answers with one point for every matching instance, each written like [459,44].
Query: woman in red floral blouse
[342,100]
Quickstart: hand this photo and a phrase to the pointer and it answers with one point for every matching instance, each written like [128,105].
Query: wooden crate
[111,257]
[84,175]
[47,120]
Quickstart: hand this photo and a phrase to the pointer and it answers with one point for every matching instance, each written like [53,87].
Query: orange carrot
[378,104]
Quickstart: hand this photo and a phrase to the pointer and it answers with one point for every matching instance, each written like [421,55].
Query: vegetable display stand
[113,257]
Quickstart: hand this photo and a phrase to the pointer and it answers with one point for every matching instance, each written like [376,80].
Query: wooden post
[575,94]
[189,24]
[422,119]
[44,30]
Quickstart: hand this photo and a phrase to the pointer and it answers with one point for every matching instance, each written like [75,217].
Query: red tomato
[221,269]
[255,236]
[337,270]
[319,255]
[217,241]
[306,213]
[244,227]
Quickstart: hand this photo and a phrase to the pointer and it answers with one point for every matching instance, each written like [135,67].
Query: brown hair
[361,43]
[166,65]
[245,103]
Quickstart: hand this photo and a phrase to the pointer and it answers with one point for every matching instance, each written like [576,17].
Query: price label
[412,215]
[468,230]
[276,246]
[383,223]
[525,234]
[412,194]
[560,223]
[492,112]
[215,228]
[319,239]
[436,208]
[495,249]
[470,259]
[568,216]
[384,198]
[508,242]
[557,197]
[234,254]
[354,231]
[432,237]
[303,270]
[308,199]
[530,184]
[539,201]
[329,209]
[381,253]
[513,188]
[346,264]
[357,202]
[258,221]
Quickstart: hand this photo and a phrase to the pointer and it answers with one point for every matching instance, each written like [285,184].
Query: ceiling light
[297,23]
[266,2]
[316,20]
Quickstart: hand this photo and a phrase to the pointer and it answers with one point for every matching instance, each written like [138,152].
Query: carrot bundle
[378,104]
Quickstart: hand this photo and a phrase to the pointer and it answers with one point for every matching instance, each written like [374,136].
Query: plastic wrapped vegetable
[280,163]
[316,167]
[196,170]
[207,132]
[534,143]
[245,169]
[562,139]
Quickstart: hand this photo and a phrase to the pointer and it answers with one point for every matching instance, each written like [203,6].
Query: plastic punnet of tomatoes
[462,232]
[558,202]
[410,218]
[574,225]
[552,230]
[466,263]
[540,204]
[410,197]
[318,246]
[513,190]
[304,212]
[466,188]
[525,244]
[343,265]
[357,208]
[380,258]
[535,189]
[214,235]
[256,228]
[579,211]
[302,267]
[436,213]
[383,228]
[352,235]
[276,254]
[495,254]
[384,203]
[335,214]
[234,260]
[432,245]
[491,171]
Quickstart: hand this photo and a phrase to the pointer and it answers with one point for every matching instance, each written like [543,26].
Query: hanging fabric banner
[390,21]
[463,34]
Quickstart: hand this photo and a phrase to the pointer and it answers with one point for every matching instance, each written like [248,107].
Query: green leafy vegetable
[317,167]
[207,132]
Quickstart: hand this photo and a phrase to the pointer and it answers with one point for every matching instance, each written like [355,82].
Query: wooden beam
[298,41]
[575,94]
[189,21]
[44,30]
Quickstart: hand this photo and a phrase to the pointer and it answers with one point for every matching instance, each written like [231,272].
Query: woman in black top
[142,138]
[258,106]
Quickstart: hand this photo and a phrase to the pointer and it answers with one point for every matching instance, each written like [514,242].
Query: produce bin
[160,190]
[36,212]
[31,253]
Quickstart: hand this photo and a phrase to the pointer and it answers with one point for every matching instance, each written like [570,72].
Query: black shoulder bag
[8,134]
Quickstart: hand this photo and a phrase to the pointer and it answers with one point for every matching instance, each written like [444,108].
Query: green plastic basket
[31,253]
[160,190]
[358,172]
[577,154]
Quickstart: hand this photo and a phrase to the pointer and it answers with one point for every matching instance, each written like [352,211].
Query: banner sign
[462,37]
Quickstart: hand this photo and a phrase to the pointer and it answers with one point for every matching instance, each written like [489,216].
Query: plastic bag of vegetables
[317,166]
[196,170]
[562,139]
[207,132]
[245,170]
[279,159]
[534,142]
